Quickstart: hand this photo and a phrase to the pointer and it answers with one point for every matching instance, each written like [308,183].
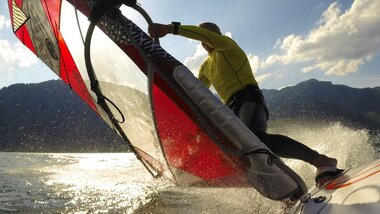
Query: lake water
[117,183]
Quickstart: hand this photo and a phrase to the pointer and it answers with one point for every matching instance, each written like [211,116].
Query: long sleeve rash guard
[227,68]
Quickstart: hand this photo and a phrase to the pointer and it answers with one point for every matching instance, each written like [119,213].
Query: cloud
[4,23]
[256,64]
[340,43]
[254,61]
[17,54]
[263,77]
[194,62]
[13,55]
[228,34]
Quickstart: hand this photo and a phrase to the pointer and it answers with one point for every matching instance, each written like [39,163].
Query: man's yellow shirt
[227,68]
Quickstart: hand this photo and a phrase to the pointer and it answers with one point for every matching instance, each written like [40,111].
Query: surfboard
[356,190]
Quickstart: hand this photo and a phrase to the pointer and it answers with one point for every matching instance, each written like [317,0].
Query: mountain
[320,100]
[48,117]
[377,89]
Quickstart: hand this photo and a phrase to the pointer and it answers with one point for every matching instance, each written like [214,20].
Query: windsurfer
[228,70]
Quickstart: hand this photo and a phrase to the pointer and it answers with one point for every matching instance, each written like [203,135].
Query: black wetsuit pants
[249,105]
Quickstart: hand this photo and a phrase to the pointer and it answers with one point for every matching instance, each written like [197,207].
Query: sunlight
[100,180]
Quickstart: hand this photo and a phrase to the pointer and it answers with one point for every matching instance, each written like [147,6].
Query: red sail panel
[185,146]
[52,9]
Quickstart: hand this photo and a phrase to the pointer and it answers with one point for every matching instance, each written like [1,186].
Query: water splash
[350,146]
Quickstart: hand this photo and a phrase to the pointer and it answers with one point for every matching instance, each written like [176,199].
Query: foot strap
[326,176]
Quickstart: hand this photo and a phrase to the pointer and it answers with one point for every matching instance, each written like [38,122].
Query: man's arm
[214,40]
[160,30]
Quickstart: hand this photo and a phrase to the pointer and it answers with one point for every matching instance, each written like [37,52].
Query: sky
[287,41]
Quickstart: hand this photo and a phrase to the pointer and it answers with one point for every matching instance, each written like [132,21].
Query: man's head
[211,27]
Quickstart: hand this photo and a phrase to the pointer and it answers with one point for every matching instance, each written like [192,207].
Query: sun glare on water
[100,181]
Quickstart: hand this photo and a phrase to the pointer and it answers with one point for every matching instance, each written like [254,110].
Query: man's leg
[246,111]
[287,147]
[254,117]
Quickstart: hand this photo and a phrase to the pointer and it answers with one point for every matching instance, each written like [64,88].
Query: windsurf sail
[174,125]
